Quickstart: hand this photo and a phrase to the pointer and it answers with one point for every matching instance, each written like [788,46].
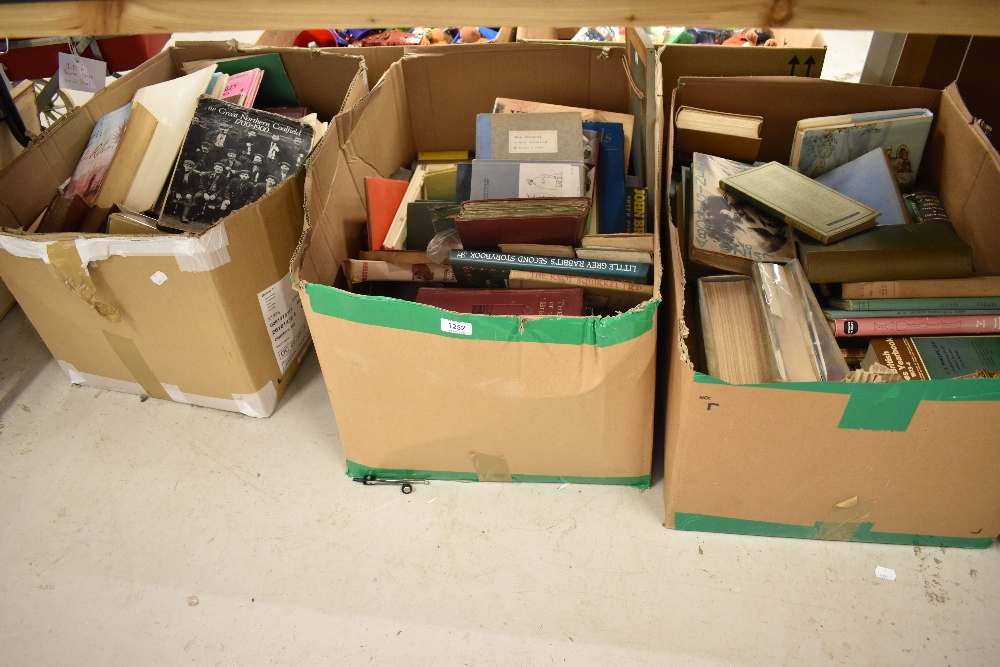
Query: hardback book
[463,181]
[727,135]
[932,325]
[600,293]
[801,346]
[505,179]
[396,256]
[203,190]
[491,269]
[555,136]
[241,87]
[64,214]
[822,143]
[682,209]
[924,303]
[485,224]
[807,205]
[732,330]
[172,103]
[977,286]
[612,214]
[426,219]
[891,252]
[441,184]
[382,199]
[96,159]
[615,255]
[567,302]
[937,358]
[132,224]
[128,156]
[726,233]
[362,270]
[395,238]
[625,241]
[507,105]
[538,249]
[924,205]
[637,213]
[870,180]
[841,314]
[296,113]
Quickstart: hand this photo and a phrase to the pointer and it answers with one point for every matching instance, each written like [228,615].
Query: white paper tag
[159,277]
[885,573]
[79,73]
[451,326]
[285,320]
[549,179]
[533,141]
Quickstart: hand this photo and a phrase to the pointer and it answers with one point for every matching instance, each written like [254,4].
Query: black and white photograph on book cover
[231,156]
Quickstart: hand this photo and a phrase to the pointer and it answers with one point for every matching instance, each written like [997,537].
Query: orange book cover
[384,196]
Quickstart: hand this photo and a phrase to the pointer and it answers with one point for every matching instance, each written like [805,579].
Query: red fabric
[120,53]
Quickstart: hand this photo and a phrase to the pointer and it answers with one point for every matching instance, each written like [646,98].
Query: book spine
[363,270]
[924,206]
[911,289]
[916,326]
[467,262]
[840,314]
[926,303]
[636,212]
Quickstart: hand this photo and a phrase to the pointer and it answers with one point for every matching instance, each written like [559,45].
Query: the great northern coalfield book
[224,145]
[726,233]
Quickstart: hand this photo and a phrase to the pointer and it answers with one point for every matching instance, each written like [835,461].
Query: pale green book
[811,207]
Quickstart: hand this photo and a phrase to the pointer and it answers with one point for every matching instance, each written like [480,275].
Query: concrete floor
[156,533]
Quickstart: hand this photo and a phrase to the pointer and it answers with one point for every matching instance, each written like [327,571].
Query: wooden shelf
[120,17]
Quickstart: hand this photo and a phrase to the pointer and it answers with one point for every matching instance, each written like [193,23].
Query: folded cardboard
[904,463]
[211,319]
[421,392]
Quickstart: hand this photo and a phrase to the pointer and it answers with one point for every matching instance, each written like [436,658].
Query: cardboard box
[210,320]
[522,399]
[905,463]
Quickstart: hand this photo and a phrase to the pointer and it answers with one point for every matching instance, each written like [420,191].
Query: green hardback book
[491,269]
[809,206]
[892,252]
[951,304]
[275,88]
[426,219]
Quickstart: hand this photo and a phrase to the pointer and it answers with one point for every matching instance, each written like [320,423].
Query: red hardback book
[487,233]
[566,302]
[383,196]
[931,325]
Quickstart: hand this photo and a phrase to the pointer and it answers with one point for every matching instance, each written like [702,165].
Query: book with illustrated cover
[804,203]
[96,159]
[231,156]
[241,88]
[822,143]
[566,302]
[937,358]
[726,233]
[508,179]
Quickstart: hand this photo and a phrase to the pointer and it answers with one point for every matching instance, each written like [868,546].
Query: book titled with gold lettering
[809,206]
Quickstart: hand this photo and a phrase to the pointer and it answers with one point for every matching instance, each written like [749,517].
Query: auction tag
[451,326]
[79,73]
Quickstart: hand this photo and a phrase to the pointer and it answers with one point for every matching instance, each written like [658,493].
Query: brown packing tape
[65,259]
[491,468]
[844,519]
[129,354]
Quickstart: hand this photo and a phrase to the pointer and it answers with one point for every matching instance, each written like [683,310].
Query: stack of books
[846,216]
[544,220]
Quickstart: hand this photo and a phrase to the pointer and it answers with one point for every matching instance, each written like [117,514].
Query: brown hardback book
[485,224]
[396,256]
[624,241]
[538,249]
[619,295]
[728,135]
[564,302]
[890,252]
[732,330]
[807,205]
[976,286]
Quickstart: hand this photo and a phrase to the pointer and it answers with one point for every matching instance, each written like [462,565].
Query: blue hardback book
[611,217]
[483,136]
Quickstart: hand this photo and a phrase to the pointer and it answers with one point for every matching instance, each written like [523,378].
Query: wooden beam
[123,17]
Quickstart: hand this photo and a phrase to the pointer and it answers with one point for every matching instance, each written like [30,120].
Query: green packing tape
[358,470]
[409,316]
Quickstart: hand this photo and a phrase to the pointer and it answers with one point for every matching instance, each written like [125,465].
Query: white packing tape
[193,253]
[260,404]
[76,377]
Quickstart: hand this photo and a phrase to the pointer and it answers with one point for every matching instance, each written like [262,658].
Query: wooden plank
[120,17]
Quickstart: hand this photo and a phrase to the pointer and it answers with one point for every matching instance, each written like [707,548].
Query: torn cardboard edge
[259,404]
[193,253]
